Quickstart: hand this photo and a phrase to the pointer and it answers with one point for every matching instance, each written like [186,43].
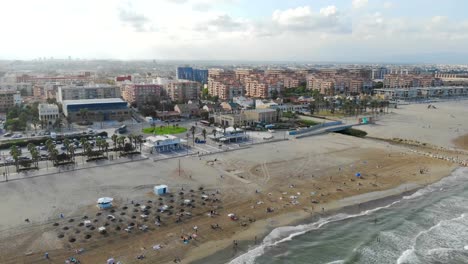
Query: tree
[120,141]
[66,143]
[274,94]
[114,139]
[105,147]
[83,142]
[84,115]
[35,122]
[88,150]
[312,107]
[15,153]
[53,152]
[204,134]
[35,156]
[131,138]
[193,129]
[139,139]
[71,151]
[69,121]
[58,123]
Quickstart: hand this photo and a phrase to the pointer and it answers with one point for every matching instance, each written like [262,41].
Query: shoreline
[356,204]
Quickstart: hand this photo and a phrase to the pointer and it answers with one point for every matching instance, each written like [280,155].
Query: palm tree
[31,147]
[192,129]
[131,138]
[69,121]
[35,122]
[84,114]
[139,139]
[204,134]
[66,144]
[71,151]
[15,152]
[53,152]
[312,107]
[114,139]
[88,149]
[83,142]
[121,141]
[105,147]
[35,156]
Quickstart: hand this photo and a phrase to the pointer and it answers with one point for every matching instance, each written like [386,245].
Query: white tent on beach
[105,202]
[160,189]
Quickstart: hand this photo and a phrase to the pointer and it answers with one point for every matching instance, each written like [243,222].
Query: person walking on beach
[46,255]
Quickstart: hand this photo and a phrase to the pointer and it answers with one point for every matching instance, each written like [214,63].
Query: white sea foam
[336,262]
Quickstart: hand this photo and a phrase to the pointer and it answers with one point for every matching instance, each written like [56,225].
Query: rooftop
[93,101]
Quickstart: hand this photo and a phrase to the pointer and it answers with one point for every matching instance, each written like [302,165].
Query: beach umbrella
[358,174]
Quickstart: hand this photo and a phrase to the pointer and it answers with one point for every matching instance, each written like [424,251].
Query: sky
[247,30]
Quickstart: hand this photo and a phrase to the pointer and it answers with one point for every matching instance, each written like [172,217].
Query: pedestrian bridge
[334,127]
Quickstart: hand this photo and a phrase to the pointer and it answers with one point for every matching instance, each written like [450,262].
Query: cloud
[222,23]
[328,19]
[137,21]
[359,3]
[388,5]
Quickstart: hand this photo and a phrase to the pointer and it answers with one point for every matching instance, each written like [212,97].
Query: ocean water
[429,226]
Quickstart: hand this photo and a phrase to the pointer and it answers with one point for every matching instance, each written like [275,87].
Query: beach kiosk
[161,189]
[104,202]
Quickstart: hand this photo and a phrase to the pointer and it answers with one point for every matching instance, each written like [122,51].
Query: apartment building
[140,93]
[9,99]
[183,91]
[92,91]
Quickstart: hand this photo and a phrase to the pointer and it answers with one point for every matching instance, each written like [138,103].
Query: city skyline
[364,31]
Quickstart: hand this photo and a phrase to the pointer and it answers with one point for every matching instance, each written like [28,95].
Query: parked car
[8,134]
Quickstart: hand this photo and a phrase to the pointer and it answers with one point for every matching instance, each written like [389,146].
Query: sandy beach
[265,186]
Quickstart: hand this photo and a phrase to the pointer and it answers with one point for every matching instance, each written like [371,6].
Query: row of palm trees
[348,106]
[133,140]
[193,129]
[70,148]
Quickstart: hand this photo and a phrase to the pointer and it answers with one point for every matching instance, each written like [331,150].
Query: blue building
[185,73]
[200,76]
[96,109]
[190,74]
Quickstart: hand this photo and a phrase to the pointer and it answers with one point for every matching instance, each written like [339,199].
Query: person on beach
[46,255]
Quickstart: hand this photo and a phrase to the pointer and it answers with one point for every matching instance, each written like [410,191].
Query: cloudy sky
[299,30]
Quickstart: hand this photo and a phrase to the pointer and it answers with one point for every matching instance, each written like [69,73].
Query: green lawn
[306,122]
[164,130]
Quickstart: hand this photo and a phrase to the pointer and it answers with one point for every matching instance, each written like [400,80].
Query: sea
[427,226]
